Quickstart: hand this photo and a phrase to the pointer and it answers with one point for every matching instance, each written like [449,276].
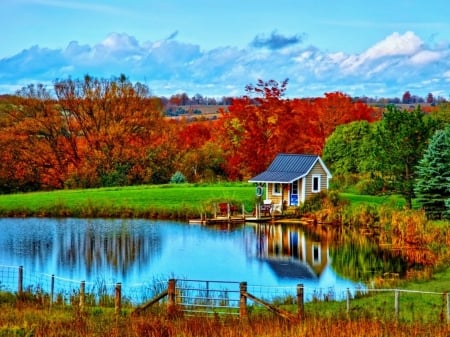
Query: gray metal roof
[286,168]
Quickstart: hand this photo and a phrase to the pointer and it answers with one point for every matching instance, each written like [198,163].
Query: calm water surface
[134,251]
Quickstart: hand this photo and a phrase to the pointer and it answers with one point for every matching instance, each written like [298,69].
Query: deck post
[300,301]
[243,300]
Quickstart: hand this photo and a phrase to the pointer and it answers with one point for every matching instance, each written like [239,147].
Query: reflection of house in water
[290,252]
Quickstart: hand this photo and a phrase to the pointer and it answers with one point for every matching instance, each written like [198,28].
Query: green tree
[401,138]
[345,150]
[433,176]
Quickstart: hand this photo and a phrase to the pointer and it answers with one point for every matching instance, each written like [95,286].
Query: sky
[216,47]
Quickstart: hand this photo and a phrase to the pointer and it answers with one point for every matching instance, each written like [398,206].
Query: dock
[226,213]
[232,219]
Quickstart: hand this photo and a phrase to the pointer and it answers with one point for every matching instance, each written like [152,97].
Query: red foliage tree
[256,129]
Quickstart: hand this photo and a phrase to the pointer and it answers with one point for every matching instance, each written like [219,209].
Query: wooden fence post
[118,298]
[447,296]
[300,301]
[348,300]
[82,294]
[243,300]
[171,296]
[20,281]
[396,303]
[52,289]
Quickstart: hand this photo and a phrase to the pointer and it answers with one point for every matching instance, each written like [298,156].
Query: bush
[178,178]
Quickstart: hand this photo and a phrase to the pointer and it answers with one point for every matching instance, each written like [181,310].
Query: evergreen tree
[433,177]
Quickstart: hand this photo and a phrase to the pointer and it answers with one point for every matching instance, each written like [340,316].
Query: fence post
[82,294]
[118,298]
[171,295]
[52,289]
[396,303]
[20,281]
[447,295]
[300,301]
[243,300]
[348,300]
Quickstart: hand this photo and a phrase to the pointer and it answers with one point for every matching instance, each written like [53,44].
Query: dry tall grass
[61,322]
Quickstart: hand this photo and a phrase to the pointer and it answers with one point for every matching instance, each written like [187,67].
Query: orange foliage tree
[114,124]
[255,129]
[34,140]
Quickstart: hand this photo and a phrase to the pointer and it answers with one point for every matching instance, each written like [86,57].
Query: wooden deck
[233,219]
[228,213]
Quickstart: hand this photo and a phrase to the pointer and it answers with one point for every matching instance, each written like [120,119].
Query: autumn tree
[406,98]
[114,124]
[36,138]
[249,129]
[262,124]
[316,119]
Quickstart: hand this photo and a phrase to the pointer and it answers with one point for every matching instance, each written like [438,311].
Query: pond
[134,251]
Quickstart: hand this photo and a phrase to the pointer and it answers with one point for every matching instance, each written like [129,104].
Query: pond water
[135,251]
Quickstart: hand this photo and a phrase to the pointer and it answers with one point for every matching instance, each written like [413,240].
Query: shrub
[178,178]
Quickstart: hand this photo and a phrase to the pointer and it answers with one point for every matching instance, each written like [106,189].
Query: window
[316,183]
[276,189]
[294,189]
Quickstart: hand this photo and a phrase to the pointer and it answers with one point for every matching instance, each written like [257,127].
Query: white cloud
[390,67]
[425,56]
[395,45]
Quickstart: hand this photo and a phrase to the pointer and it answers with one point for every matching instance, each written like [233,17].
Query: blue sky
[216,47]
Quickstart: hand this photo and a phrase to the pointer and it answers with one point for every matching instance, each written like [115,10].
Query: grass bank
[173,201]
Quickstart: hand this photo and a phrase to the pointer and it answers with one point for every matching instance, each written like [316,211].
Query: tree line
[94,132]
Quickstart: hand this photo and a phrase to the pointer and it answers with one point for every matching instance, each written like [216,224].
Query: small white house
[291,178]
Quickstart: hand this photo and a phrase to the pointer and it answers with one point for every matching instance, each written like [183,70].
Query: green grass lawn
[128,201]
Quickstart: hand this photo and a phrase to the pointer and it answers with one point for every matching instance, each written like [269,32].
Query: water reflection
[78,249]
[133,251]
[290,252]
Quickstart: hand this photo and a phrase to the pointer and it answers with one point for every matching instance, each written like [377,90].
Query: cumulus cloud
[275,41]
[398,63]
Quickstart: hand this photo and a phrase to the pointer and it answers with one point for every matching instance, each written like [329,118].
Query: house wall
[276,199]
[316,170]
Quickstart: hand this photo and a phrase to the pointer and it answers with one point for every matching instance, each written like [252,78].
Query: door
[294,194]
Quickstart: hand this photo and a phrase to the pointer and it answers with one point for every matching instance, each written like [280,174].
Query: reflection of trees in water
[103,247]
[359,259]
[39,247]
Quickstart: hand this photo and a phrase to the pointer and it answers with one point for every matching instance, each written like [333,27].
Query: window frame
[274,189]
[316,177]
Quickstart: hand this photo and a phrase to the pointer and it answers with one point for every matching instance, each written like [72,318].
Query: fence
[195,297]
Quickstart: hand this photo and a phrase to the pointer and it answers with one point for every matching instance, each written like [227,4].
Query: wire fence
[211,297]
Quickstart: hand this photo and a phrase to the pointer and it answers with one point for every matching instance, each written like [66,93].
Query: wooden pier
[227,213]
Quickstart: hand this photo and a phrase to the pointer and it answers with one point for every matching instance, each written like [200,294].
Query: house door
[294,194]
